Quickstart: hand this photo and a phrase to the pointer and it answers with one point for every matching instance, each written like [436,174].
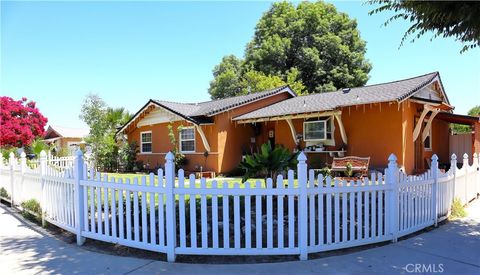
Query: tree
[232,77]
[20,122]
[103,122]
[475,111]
[311,47]
[458,19]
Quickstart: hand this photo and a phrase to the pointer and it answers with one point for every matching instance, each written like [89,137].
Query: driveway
[453,248]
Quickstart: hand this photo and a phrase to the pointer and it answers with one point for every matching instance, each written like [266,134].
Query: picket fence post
[465,167]
[23,168]
[78,189]
[43,172]
[476,177]
[170,206]
[453,167]
[434,165]
[392,199]
[302,206]
[11,162]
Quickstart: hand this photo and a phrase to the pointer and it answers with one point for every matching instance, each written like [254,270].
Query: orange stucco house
[409,118]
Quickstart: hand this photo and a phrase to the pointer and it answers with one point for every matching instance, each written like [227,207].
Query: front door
[271,137]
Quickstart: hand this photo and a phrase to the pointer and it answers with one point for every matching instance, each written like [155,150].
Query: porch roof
[459,119]
[384,92]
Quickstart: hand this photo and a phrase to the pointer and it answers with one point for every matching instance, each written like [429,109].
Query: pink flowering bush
[20,122]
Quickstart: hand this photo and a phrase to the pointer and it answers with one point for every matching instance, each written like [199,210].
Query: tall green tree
[457,19]
[233,77]
[103,122]
[311,47]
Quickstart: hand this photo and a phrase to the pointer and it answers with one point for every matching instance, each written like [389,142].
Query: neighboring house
[64,137]
[409,118]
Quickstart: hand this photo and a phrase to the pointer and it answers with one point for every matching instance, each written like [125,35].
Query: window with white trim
[146,142]
[315,130]
[187,139]
[427,143]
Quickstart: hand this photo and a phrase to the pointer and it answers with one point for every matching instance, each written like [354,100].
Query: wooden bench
[359,164]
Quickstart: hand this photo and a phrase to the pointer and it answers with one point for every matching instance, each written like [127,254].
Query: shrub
[4,194]
[269,162]
[31,209]
[6,152]
[326,172]
[180,161]
[348,169]
[458,211]
[128,156]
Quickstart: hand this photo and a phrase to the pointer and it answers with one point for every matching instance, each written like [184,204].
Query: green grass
[209,184]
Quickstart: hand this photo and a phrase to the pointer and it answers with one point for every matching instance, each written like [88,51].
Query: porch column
[203,137]
[292,130]
[340,125]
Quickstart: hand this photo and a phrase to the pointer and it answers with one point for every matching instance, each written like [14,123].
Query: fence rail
[176,214]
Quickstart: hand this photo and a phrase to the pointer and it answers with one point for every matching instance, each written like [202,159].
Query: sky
[55,53]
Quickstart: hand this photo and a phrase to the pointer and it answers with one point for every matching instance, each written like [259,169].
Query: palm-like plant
[269,162]
[38,145]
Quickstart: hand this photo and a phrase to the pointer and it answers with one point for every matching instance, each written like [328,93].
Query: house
[408,117]
[65,137]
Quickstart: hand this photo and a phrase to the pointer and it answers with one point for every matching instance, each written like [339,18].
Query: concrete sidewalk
[453,248]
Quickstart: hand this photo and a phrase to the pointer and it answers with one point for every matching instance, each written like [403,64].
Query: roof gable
[66,132]
[201,113]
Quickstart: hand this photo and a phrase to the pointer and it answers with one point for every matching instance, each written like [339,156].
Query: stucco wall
[374,131]
[234,138]
[161,145]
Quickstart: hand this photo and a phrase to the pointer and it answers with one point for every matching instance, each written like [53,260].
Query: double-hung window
[427,143]
[315,130]
[146,142]
[187,140]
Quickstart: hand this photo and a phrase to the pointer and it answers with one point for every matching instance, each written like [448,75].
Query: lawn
[231,181]
[209,183]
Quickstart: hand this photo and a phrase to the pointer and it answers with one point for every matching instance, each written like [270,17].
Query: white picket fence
[174,214]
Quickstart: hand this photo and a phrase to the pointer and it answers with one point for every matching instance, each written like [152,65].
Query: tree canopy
[20,122]
[458,19]
[311,47]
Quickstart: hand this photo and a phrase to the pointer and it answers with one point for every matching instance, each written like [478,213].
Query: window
[315,130]
[427,143]
[187,139]
[146,142]
[329,128]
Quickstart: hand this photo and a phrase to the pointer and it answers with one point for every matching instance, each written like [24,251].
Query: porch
[320,135]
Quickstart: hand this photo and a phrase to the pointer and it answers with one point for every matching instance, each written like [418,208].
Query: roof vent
[346,90]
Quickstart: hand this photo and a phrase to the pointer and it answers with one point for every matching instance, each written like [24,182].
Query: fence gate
[460,144]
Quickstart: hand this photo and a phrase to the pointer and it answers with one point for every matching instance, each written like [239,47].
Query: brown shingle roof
[213,107]
[391,91]
[200,113]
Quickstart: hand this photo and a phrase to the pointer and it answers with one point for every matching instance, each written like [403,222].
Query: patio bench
[359,164]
